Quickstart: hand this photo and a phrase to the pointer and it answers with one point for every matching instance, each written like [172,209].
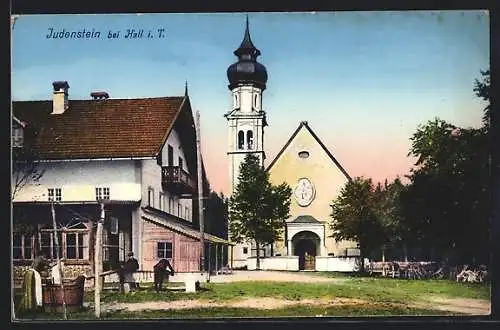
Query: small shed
[166,236]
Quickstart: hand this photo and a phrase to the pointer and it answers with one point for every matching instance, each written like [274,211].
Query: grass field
[378,296]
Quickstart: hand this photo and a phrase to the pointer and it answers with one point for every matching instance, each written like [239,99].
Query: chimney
[99,95]
[60,97]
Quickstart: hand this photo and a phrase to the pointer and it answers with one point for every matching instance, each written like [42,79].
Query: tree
[25,162]
[482,90]
[25,170]
[447,203]
[216,215]
[257,209]
[355,217]
[389,212]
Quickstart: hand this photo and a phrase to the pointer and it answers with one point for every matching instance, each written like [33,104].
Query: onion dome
[247,71]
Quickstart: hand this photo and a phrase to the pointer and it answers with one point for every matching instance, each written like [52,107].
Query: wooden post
[200,193]
[209,259]
[383,261]
[216,258]
[98,263]
[232,256]
[59,265]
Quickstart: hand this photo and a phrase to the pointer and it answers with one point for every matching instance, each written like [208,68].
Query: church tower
[246,120]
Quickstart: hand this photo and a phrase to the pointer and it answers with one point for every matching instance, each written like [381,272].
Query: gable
[320,168]
[305,143]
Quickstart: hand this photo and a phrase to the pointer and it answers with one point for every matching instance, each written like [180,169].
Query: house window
[18,138]
[245,250]
[48,244]
[73,243]
[249,139]
[241,139]
[171,205]
[186,214]
[54,194]
[160,201]
[180,163]
[179,210]
[101,193]
[22,246]
[151,196]
[164,250]
[170,155]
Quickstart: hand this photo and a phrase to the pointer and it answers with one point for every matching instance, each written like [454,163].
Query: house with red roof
[136,156]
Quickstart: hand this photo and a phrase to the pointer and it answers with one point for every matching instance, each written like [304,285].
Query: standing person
[131,266]
[32,284]
[161,273]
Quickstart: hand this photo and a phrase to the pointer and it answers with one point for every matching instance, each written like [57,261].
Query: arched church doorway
[306,247]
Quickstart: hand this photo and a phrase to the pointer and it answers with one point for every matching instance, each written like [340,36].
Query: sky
[364,81]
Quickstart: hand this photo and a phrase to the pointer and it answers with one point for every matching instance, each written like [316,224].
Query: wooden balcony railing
[176,180]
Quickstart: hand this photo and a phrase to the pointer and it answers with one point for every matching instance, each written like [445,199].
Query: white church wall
[323,173]
[290,263]
[247,98]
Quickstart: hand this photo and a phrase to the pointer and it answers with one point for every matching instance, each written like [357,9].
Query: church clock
[304,192]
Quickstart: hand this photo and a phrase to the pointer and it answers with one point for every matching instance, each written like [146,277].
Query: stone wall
[70,272]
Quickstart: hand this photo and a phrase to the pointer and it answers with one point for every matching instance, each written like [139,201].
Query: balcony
[176,180]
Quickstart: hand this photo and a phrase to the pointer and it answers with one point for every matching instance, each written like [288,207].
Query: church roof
[305,219]
[305,125]
[247,71]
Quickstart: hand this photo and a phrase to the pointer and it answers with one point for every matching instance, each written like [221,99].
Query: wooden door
[309,262]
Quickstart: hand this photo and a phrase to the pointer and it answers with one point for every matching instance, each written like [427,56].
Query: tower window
[249,139]
[255,101]
[241,139]
[235,100]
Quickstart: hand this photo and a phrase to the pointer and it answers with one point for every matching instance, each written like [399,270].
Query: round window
[304,154]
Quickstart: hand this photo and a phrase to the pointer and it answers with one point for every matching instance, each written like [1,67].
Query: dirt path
[260,303]
[457,305]
[462,306]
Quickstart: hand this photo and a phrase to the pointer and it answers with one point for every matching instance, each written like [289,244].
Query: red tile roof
[110,128]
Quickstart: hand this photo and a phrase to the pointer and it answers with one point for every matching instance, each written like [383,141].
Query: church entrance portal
[306,245]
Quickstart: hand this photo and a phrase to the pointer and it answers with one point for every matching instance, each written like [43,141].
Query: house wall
[185,250]
[150,173]
[151,179]
[78,180]
[326,177]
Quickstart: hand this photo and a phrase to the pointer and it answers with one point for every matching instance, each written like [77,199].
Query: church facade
[304,163]
[316,178]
